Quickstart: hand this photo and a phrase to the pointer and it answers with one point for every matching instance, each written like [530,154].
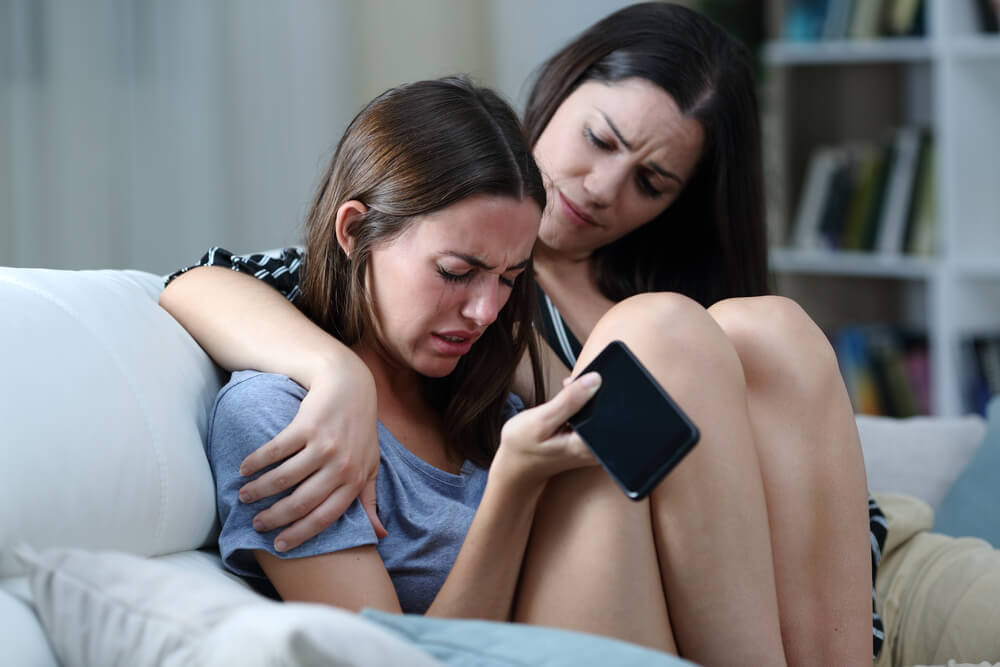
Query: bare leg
[703,538]
[591,565]
[811,463]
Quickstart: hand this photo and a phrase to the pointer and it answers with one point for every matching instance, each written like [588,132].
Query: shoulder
[254,406]
[251,384]
[259,389]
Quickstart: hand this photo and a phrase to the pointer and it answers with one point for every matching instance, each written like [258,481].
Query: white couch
[105,405]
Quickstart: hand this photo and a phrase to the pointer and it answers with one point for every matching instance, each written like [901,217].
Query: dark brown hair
[710,243]
[413,150]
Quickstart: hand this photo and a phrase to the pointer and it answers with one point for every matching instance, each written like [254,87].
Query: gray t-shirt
[426,511]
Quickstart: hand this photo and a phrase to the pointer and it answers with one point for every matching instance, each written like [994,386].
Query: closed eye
[595,140]
[454,277]
[646,187]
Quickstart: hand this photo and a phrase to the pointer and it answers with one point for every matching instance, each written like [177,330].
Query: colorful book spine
[865,197]
[885,369]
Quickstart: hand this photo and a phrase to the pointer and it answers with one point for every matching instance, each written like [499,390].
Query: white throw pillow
[919,456]
[103,411]
[102,609]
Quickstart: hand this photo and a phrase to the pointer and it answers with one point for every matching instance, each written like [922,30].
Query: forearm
[243,323]
[482,581]
[534,446]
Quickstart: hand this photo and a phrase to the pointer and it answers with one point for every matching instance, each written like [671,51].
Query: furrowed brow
[472,260]
[614,128]
[652,165]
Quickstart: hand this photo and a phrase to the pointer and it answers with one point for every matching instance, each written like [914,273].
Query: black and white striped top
[280,270]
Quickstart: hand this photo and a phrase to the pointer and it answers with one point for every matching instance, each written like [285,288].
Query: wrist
[518,481]
[332,360]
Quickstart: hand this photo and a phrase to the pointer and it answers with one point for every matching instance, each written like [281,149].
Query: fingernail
[280,545]
[258,525]
[245,496]
[591,380]
[243,471]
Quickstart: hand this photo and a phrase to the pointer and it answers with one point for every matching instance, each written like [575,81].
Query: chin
[438,369]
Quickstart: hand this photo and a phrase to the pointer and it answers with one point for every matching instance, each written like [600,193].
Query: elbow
[166,298]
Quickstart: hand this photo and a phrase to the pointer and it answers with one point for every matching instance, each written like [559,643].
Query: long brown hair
[710,243]
[413,150]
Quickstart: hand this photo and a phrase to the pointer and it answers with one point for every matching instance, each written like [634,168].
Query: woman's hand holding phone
[536,443]
[633,427]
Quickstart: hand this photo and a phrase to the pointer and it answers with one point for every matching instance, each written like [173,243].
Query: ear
[348,213]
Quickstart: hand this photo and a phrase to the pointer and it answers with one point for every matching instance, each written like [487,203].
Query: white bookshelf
[826,92]
[846,51]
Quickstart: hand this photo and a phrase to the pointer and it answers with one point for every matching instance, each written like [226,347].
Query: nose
[485,301]
[603,182]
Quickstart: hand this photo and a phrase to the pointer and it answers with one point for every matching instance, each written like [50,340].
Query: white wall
[136,133]
[524,33]
[407,40]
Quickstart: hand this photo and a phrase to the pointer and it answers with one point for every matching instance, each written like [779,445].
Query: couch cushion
[972,507]
[108,608]
[24,641]
[918,456]
[474,643]
[111,608]
[103,411]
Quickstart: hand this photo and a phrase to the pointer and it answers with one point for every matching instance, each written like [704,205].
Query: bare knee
[666,327]
[779,346]
[651,310]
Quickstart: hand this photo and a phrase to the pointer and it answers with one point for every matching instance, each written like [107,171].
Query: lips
[574,213]
[454,343]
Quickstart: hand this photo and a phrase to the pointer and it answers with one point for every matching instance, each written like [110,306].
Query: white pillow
[918,456]
[102,609]
[103,410]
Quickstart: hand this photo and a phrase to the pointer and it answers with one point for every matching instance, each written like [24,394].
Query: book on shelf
[885,369]
[855,366]
[822,165]
[903,17]
[803,20]
[989,15]
[837,22]
[838,199]
[899,188]
[921,224]
[867,197]
[866,19]
[981,370]
[865,201]
[811,20]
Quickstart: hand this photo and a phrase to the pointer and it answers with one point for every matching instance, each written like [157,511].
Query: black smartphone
[633,427]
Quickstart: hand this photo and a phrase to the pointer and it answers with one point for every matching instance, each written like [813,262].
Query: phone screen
[635,430]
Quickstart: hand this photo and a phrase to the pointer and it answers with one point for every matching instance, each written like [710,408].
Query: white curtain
[136,133]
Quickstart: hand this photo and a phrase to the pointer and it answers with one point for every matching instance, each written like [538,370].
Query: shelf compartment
[978,268]
[848,51]
[972,47]
[861,264]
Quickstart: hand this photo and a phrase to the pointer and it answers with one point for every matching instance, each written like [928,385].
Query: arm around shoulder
[244,323]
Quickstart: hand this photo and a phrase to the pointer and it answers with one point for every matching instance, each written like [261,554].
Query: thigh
[594,562]
[812,468]
[591,564]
